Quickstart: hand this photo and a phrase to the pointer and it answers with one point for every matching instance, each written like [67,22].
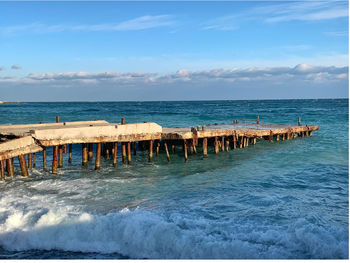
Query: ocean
[285,200]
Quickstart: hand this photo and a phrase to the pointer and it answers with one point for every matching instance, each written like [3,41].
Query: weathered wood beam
[30,160]
[23,165]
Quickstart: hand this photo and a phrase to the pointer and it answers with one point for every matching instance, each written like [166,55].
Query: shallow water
[279,200]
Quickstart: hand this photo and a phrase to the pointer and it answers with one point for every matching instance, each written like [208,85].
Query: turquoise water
[279,200]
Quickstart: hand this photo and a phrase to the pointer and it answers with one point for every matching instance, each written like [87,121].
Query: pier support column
[194,146]
[124,152]
[2,170]
[157,147]
[216,145]
[30,160]
[222,143]
[54,159]
[44,159]
[65,149]
[205,147]
[107,147]
[91,153]
[173,148]
[60,156]
[271,136]
[9,167]
[283,137]
[166,151]
[240,140]
[135,149]
[22,163]
[115,147]
[150,150]
[84,154]
[227,144]
[70,153]
[185,151]
[234,142]
[277,137]
[34,160]
[129,152]
[98,156]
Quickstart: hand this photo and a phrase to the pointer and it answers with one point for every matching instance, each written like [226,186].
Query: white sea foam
[143,234]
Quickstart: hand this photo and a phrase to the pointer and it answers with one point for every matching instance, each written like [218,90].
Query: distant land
[9,102]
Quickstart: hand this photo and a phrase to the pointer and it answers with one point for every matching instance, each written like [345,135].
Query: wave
[144,234]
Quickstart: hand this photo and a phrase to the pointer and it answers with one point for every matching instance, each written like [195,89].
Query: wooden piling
[84,154]
[107,149]
[44,159]
[30,160]
[173,148]
[60,156]
[124,152]
[157,147]
[34,160]
[129,152]
[240,141]
[222,143]
[9,168]
[115,151]
[234,142]
[277,137]
[65,149]
[22,163]
[216,145]
[205,147]
[185,151]
[2,170]
[283,137]
[54,159]
[166,151]
[135,149]
[98,156]
[227,144]
[91,153]
[150,150]
[271,136]
[70,154]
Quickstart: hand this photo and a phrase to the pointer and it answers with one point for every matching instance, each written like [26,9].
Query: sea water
[286,199]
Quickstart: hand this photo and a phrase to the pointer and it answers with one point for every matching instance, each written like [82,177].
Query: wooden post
[166,151]
[107,150]
[157,147]
[2,170]
[254,141]
[227,144]
[65,149]
[30,160]
[34,160]
[135,149]
[98,156]
[129,152]
[246,142]
[299,121]
[58,118]
[115,146]
[123,121]
[240,140]
[277,137]
[150,150]
[194,146]
[60,156]
[216,145]
[54,159]
[234,142]
[70,154]
[44,158]
[91,153]
[223,143]
[123,152]
[9,168]
[257,119]
[84,154]
[185,151]
[283,136]
[173,148]
[271,136]
[22,163]
[205,147]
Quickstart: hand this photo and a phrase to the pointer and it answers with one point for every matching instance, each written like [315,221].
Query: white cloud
[16,66]
[139,23]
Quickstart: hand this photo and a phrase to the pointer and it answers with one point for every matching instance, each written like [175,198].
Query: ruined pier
[24,141]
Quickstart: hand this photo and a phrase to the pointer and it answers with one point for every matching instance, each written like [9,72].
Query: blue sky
[52,51]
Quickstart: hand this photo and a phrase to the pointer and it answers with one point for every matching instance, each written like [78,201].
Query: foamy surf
[144,234]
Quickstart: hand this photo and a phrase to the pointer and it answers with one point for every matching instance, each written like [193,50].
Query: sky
[136,51]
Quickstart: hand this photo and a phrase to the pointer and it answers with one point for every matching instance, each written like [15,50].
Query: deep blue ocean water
[272,200]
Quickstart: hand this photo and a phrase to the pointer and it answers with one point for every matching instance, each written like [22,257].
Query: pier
[24,141]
